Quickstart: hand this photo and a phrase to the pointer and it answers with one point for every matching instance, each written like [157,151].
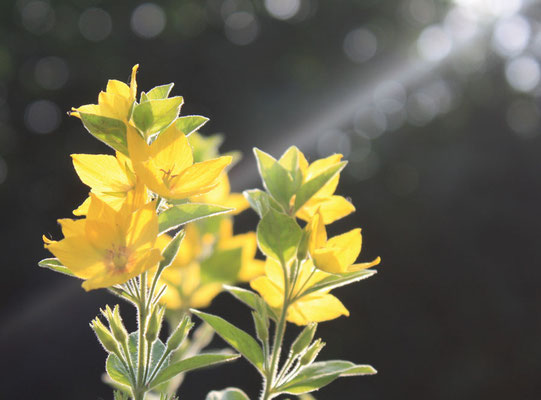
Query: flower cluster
[157,230]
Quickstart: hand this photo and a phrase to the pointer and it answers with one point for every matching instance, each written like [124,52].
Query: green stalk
[277,344]
[142,319]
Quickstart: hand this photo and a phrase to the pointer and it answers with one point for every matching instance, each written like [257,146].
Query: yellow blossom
[167,168]
[110,178]
[338,254]
[109,247]
[313,307]
[185,289]
[332,207]
[115,102]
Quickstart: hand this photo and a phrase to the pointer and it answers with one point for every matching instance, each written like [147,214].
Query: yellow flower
[110,178]
[313,307]
[167,168]
[115,102]
[109,247]
[338,254]
[250,266]
[221,195]
[185,290]
[332,207]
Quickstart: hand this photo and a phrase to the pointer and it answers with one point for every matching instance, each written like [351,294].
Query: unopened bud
[178,336]
[304,339]
[312,352]
[154,325]
[104,336]
[260,326]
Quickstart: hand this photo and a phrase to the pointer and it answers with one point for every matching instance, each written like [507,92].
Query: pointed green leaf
[110,131]
[55,265]
[159,92]
[227,394]
[338,280]
[117,371]
[188,212]
[320,374]
[278,236]
[290,161]
[250,299]
[205,147]
[153,116]
[190,123]
[261,202]
[311,187]
[223,265]
[170,252]
[237,338]
[191,363]
[276,179]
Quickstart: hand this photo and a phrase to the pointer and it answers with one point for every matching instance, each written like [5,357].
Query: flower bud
[104,336]
[304,339]
[312,352]
[115,322]
[302,251]
[178,336]
[154,324]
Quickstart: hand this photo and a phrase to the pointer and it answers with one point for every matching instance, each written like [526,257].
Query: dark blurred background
[435,104]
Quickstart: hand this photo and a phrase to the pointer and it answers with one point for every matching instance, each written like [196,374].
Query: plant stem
[142,319]
[277,344]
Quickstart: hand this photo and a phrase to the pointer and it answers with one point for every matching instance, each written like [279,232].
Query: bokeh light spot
[42,116]
[283,9]
[421,109]
[332,142]
[95,24]
[51,73]
[511,36]
[523,73]
[37,16]
[390,96]
[241,28]
[370,123]
[360,45]
[148,20]
[434,43]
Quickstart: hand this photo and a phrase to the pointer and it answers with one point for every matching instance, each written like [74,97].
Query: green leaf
[290,161]
[311,187]
[237,338]
[159,92]
[55,265]
[278,236]
[276,179]
[320,374]
[116,370]
[227,394]
[110,131]
[250,299]
[222,266]
[338,280]
[188,212]
[191,363]
[190,123]
[170,252]
[259,201]
[153,116]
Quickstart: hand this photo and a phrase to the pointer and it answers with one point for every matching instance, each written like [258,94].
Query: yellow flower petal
[360,266]
[198,178]
[348,245]
[118,88]
[332,208]
[171,151]
[316,308]
[271,293]
[102,173]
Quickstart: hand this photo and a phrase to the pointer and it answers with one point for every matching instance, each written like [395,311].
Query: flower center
[167,176]
[117,258]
